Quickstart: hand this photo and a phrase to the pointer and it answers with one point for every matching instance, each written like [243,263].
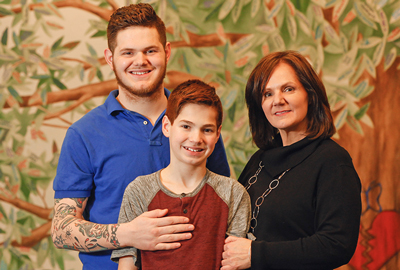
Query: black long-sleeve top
[311,220]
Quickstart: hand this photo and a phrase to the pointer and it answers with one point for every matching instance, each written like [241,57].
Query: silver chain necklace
[260,200]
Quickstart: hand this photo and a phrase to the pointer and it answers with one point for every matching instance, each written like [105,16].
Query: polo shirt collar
[112,104]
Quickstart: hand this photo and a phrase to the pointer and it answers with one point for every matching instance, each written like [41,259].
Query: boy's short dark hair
[193,92]
[134,15]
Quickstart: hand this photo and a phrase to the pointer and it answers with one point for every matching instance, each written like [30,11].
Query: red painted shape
[384,244]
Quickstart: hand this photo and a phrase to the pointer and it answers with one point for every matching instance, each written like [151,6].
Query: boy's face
[193,135]
[139,60]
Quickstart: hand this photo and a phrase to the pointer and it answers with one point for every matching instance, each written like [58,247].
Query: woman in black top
[304,189]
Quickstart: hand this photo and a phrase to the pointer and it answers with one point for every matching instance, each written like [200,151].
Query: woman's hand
[237,253]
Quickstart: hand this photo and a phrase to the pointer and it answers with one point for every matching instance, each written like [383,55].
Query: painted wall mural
[52,72]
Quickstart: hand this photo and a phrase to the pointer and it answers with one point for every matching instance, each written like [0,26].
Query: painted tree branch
[86,92]
[94,90]
[101,12]
[44,213]
[113,4]
[211,40]
[36,236]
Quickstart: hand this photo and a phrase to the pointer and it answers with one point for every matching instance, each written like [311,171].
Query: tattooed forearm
[71,231]
[94,230]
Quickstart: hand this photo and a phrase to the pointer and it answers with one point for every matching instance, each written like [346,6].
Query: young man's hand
[152,231]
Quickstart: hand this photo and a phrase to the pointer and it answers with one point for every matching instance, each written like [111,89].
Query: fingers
[166,221]
[230,239]
[167,246]
[174,229]
[161,221]
[155,213]
[226,265]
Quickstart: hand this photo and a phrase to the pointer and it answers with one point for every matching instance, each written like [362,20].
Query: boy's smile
[193,134]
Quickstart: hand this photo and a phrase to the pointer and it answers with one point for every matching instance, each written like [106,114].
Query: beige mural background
[52,72]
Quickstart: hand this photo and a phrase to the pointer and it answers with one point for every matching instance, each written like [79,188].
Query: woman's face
[285,102]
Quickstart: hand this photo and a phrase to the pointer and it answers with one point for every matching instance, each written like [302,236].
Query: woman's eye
[289,89]
[267,94]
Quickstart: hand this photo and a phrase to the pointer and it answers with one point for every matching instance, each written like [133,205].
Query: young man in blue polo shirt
[116,142]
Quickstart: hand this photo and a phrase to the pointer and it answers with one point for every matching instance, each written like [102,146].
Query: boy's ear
[219,132]
[166,125]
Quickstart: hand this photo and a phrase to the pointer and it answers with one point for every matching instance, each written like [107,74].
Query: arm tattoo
[114,240]
[63,236]
[79,201]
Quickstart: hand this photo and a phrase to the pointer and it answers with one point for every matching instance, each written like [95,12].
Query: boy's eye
[208,130]
[185,126]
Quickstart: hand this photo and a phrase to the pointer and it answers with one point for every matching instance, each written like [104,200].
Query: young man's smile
[139,61]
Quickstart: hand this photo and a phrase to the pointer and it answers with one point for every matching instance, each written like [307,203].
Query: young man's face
[193,135]
[139,61]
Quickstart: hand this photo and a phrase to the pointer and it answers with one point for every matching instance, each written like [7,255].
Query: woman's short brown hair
[320,120]
[134,15]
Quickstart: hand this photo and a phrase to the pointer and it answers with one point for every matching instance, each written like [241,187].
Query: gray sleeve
[238,201]
[137,197]
[239,215]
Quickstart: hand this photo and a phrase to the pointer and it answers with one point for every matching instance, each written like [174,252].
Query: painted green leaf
[91,50]
[59,84]
[57,44]
[14,93]
[99,34]
[363,14]
[226,9]
[5,12]
[363,110]
[41,77]
[4,37]
[255,7]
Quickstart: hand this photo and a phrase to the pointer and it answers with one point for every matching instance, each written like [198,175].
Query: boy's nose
[195,136]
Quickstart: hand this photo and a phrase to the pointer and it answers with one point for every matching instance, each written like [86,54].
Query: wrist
[120,235]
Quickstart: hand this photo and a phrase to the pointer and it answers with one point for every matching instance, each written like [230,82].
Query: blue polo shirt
[103,152]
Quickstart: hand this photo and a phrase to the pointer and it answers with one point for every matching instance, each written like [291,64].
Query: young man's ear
[108,55]
[167,51]
[166,125]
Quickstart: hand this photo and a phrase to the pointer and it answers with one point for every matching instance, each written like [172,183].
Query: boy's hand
[152,231]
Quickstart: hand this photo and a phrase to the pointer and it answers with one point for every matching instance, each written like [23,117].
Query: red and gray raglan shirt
[219,206]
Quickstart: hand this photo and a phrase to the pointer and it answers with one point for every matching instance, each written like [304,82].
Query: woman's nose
[278,98]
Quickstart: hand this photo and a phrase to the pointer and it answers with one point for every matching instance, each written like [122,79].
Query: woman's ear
[166,125]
